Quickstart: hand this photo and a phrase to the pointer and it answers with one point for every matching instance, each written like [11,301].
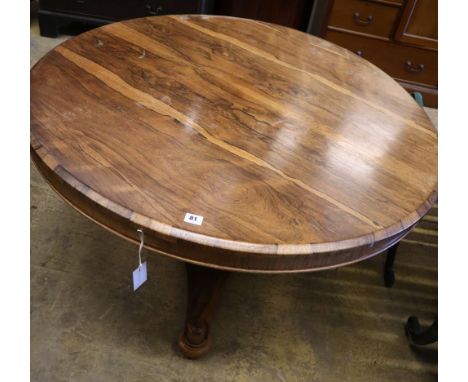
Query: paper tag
[139,276]
[193,219]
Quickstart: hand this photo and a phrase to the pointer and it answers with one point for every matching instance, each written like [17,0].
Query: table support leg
[389,273]
[205,286]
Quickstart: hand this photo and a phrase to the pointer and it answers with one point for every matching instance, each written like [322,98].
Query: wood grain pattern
[299,154]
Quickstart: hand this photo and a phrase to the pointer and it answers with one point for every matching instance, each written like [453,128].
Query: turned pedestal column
[204,288]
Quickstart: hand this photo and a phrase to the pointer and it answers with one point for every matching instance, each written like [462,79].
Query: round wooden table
[236,145]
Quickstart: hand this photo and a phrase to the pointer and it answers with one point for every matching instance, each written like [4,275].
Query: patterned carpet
[425,233]
[337,325]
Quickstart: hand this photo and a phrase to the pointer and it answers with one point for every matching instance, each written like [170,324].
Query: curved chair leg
[418,336]
[389,273]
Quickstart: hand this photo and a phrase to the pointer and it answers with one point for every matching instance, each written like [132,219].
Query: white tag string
[142,242]
[140,275]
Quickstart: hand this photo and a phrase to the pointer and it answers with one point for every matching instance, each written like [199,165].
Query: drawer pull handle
[359,53]
[412,68]
[153,10]
[362,21]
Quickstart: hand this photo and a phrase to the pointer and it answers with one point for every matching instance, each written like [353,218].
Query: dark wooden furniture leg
[48,25]
[418,336]
[389,273]
[205,286]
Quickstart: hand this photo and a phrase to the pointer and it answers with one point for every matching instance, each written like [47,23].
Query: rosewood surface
[290,147]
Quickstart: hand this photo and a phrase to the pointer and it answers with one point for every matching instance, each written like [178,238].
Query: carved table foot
[419,336]
[205,286]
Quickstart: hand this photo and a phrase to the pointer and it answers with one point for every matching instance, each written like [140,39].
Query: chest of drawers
[53,14]
[398,36]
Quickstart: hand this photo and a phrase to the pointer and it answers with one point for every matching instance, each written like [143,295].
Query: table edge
[181,244]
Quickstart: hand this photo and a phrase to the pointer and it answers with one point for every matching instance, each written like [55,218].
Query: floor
[341,325]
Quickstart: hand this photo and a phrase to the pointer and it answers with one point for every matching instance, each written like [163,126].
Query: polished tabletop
[298,154]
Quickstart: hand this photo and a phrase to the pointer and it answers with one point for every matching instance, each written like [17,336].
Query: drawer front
[121,9]
[365,17]
[399,61]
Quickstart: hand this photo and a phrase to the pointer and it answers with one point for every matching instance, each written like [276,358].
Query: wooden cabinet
[290,13]
[53,14]
[399,36]
[418,24]
[56,13]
